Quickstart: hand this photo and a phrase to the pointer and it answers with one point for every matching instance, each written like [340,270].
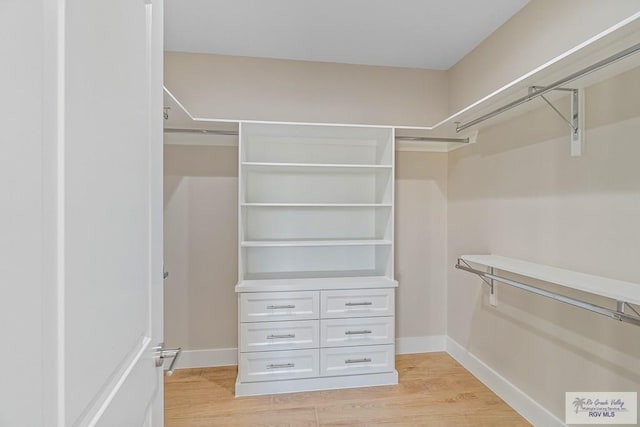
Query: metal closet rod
[543,90]
[235,133]
[614,314]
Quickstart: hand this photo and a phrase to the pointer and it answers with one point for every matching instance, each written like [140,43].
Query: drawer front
[357,360]
[290,335]
[357,303]
[278,365]
[272,306]
[357,331]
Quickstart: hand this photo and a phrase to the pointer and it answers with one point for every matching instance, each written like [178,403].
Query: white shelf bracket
[576,122]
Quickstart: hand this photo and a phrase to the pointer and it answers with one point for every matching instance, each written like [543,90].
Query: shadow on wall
[197,160]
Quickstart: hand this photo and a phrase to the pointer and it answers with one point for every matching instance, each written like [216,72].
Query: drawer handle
[276,307]
[352,304]
[363,332]
[363,360]
[281,365]
[275,337]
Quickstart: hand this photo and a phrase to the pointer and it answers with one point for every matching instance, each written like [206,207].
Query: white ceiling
[402,33]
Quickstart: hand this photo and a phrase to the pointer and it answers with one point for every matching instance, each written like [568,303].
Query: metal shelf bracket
[575,122]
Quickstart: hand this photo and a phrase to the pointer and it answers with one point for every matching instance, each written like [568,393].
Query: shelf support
[617,314]
[576,122]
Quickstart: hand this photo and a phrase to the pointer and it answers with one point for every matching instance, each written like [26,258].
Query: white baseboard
[535,413]
[207,358]
[426,344]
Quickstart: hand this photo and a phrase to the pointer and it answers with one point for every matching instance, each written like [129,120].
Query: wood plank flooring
[434,390]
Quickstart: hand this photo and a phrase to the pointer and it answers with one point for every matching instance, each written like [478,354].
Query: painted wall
[228,87]
[542,30]
[518,193]
[201,246]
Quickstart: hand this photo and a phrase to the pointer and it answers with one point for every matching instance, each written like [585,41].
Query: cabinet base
[315,384]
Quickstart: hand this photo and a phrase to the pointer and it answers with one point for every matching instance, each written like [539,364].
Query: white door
[80,212]
[110,206]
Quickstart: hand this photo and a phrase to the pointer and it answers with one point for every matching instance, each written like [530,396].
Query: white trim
[315,384]
[207,358]
[522,403]
[424,344]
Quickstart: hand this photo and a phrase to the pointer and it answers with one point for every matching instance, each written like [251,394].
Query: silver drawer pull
[275,337]
[363,332]
[351,304]
[276,307]
[363,360]
[281,365]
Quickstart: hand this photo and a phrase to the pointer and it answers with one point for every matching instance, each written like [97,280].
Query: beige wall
[229,87]
[541,31]
[420,243]
[201,246]
[518,193]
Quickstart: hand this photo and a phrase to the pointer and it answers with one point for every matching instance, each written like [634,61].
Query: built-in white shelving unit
[316,243]
[315,200]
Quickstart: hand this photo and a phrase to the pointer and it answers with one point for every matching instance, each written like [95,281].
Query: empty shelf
[262,283]
[318,242]
[315,165]
[602,286]
[313,205]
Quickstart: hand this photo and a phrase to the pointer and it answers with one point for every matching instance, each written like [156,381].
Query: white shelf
[602,286]
[318,242]
[314,165]
[316,283]
[320,205]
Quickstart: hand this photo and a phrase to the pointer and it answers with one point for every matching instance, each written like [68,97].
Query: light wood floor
[434,390]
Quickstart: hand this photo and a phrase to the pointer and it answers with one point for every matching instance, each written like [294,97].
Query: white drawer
[356,360]
[278,365]
[357,331]
[290,335]
[272,306]
[357,303]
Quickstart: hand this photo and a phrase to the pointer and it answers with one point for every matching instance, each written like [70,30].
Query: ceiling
[400,33]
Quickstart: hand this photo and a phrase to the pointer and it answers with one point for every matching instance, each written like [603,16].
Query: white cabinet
[316,257]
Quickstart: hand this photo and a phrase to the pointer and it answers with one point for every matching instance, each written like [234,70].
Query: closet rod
[202,131]
[614,314]
[432,138]
[398,138]
[543,90]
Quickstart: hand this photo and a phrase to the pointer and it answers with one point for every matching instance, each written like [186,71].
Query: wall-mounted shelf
[624,293]
[442,136]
